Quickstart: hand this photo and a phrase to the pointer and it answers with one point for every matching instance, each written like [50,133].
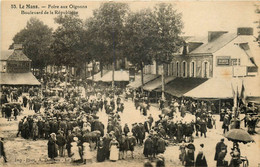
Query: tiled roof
[18,55]
[15,55]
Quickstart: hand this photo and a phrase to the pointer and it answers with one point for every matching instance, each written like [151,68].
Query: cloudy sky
[198,17]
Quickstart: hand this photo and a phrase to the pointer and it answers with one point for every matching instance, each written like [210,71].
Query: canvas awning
[179,86]
[119,76]
[147,78]
[18,79]
[157,83]
[221,88]
[96,77]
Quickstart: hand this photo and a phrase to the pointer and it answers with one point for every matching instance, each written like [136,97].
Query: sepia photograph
[152,83]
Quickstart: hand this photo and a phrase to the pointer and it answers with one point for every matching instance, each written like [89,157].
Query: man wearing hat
[225,125]
[61,141]
[221,146]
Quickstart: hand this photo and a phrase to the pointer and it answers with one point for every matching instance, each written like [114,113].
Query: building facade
[220,54]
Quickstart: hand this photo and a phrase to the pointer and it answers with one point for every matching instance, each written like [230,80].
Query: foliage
[36,38]
[105,31]
[68,45]
[167,28]
[138,33]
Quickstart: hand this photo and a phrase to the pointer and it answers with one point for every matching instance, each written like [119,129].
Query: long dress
[75,151]
[52,149]
[87,153]
[114,152]
[100,152]
[201,160]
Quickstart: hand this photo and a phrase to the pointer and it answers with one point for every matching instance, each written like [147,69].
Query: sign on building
[223,60]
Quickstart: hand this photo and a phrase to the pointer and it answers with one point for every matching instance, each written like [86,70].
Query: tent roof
[147,78]
[157,83]
[179,86]
[119,76]
[18,79]
[221,88]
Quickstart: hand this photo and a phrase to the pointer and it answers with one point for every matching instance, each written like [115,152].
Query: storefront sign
[223,61]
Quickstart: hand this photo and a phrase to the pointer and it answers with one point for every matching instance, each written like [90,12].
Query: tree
[138,35]
[167,27]
[68,40]
[36,38]
[106,29]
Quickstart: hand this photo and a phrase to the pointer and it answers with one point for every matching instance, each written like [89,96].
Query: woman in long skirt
[114,152]
[100,151]
[75,150]
[52,148]
[87,153]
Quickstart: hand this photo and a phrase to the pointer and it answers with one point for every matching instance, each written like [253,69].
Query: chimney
[212,35]
[18,46]
[245,31]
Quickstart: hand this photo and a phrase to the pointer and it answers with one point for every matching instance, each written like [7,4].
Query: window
[205,69]
[177,69]
[192,69]
[184,69]
[234,62]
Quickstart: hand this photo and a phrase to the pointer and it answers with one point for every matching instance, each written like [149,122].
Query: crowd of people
[70,123]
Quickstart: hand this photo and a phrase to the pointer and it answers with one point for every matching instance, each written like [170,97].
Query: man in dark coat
[8,112]
[126,129]
[141,133]
[106,142]
[150,118]
[25,101]
[161,145]
[147,126]
[2,150]
[61,141]
[131,142]
[219,147]
[225,125]
[203,128]
[15,113]
[148,147]
[46,129]
[40,128]
[20,127]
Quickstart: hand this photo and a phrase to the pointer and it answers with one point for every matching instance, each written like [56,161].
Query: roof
[14,55]
[179,86]
[18,79]
[147,77]
[215,45]
[157,83]
[221,88]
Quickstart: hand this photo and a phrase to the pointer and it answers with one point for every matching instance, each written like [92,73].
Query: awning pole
[219,106]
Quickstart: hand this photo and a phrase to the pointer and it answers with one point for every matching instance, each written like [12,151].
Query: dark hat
[202,145]
[222,139]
